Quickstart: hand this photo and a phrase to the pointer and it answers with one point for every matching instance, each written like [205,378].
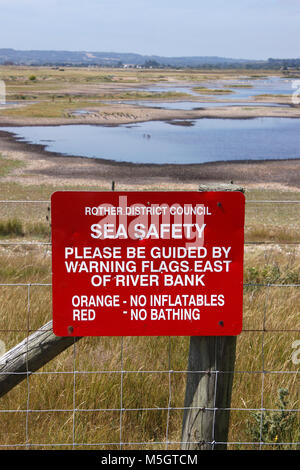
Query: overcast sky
[254,29]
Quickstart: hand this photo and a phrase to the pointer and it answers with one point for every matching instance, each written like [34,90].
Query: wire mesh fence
[128,392]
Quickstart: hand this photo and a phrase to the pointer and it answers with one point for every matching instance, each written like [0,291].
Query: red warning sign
[147,263]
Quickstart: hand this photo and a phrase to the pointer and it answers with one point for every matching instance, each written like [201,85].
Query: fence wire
[268,424]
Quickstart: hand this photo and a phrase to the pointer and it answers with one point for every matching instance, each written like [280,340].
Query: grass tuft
[12,227]
[7,165]
[16,228]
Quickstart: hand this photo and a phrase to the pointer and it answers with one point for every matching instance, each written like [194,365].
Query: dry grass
[273,222]
[53,390]
[48,77]
[274,308]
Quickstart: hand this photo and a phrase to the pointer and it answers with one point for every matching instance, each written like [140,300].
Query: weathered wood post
[209,383]
[29,355]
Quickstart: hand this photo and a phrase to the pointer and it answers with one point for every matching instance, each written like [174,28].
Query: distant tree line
[270,64]
[68,59]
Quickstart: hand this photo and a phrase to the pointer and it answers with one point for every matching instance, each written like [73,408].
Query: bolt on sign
[147,263]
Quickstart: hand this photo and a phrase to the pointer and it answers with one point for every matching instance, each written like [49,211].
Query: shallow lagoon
[239,88]
[190,105]
[180,142]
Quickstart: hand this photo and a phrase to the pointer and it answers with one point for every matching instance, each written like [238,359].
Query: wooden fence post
[29,355]
[209,383]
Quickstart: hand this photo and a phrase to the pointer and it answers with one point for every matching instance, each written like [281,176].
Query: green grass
[239,86]
[145,95]
[212,91]
[12,227]
[274,426]
[274,273]
[16,228]
[38,230]
[270,95]
[60,106]
[49,109]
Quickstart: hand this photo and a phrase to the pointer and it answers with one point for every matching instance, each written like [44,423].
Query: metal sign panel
[147,263]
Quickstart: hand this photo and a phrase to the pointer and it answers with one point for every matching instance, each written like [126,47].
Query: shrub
[38,229]
[273,426]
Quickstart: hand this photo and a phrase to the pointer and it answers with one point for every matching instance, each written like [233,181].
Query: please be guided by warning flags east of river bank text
[147,263]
